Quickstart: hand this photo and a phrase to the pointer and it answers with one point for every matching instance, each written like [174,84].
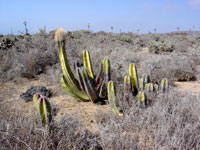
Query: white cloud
[195,4]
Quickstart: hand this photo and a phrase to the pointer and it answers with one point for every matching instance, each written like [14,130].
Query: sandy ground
[64,104]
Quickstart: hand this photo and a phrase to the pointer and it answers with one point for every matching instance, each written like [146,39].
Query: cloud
[195,4]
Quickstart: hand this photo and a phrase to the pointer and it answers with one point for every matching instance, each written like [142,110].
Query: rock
[28,95]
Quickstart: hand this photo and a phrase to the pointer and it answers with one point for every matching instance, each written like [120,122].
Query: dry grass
[170,122]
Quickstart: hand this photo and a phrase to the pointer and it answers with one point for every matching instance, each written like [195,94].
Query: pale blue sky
[127,15]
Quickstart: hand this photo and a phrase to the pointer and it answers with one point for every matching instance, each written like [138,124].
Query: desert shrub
[157,48]
[172,122]
[18,132]
[125,38]
[28,57]
[173,67]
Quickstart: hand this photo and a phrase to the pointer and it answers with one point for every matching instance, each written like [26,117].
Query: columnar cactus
[132,72]
[42,108]
[164,85]
[86,87]
[142,99]
[87,63]
[149,87]
[107,76]
[127,89]
[111,98]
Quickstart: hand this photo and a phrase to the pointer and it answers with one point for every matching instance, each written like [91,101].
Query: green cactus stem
[87,63]
[127,89]
[88,85]
[164,85]
[43,109]
[132,72]
[149,87]
[107,72]
[68,81]
[107,77]
[142,99]
[70,90]
[111,98]
[141,84]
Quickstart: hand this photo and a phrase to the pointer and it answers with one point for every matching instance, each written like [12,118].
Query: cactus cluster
[42,108]
[86,86]
[138,87]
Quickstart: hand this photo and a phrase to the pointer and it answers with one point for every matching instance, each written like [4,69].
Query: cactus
[87,63]
[111,98]
[42,108]
[149,87]
[146,79]
[156,87]
[86,87]
[141,84]
[142,96]
[164,85]
[87,84]
[68,78]
[107,76]
[132,72]
[142,99]
[127,89]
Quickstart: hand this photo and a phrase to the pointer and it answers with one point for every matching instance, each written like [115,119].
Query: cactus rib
[74,92]
[88,86]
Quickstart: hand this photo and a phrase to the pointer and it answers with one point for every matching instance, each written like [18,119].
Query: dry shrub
[173,67]
[18,132]
[172,122]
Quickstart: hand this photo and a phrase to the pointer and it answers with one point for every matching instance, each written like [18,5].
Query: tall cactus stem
[132,72]
[87,63]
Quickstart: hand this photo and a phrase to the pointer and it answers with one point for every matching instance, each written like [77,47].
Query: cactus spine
[42,108]
[111,98]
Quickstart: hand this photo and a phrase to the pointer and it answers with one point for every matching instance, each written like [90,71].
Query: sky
[122,15]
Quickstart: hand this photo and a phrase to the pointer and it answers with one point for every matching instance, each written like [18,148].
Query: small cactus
[107,77]
[142,99]
[127,89]
[149,87]
[132,72]
[156,87]
[42,108]
[164,85]
[111,98]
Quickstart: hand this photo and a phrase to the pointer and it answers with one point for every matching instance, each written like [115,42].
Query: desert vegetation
[132,75]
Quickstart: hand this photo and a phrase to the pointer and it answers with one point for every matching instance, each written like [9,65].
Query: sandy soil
[63,103]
